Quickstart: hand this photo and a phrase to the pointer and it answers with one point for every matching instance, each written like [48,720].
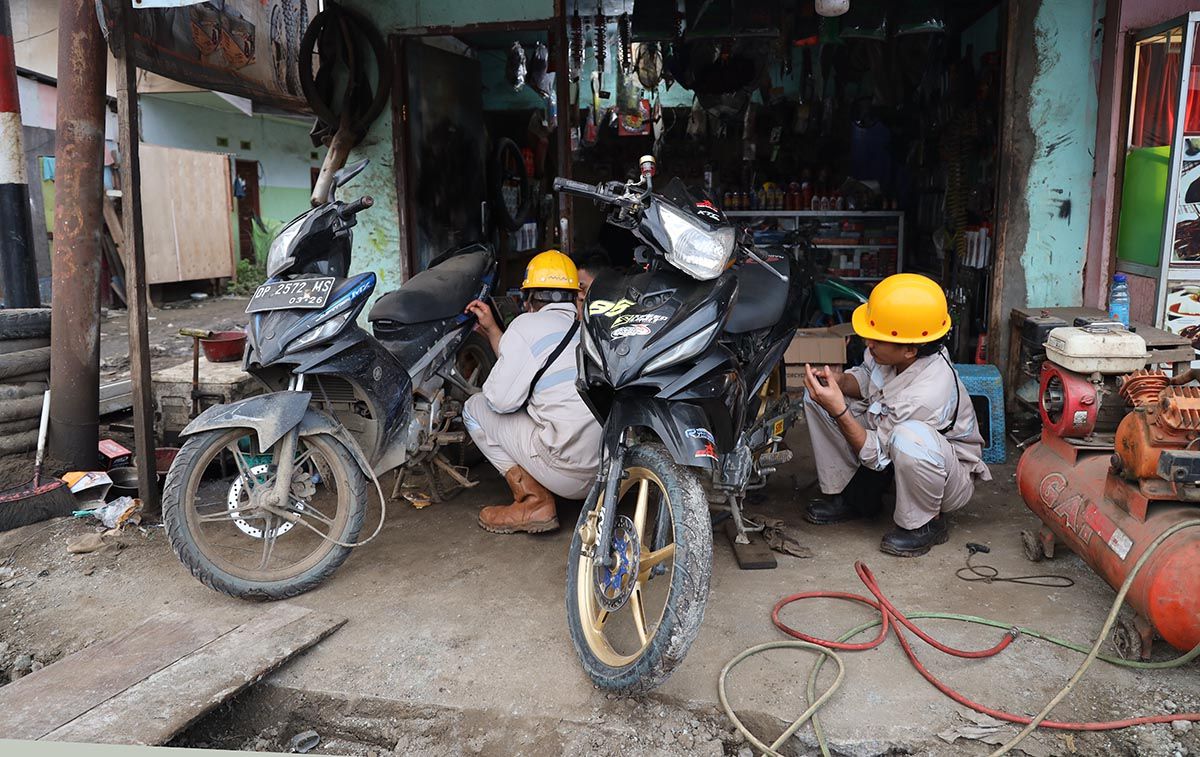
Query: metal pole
[78,223]
[135,260]
[17,267]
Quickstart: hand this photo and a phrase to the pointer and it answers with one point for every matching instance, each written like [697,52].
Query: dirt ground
[167,347]
[457,641]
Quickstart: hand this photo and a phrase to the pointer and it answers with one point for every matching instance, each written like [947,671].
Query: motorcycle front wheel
[632,624]
[248,552]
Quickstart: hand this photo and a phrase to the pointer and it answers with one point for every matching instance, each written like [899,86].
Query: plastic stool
[986,389]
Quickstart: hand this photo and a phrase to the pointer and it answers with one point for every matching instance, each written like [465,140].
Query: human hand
[485,321]
[823,387]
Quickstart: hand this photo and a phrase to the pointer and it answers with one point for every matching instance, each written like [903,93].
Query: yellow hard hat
[551,270]
[905,308]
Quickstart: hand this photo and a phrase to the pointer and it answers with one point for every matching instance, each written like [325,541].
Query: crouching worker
[529,420]
[902,415]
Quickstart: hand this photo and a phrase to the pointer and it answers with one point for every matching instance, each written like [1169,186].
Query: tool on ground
[990,574]
[1116,466]
[892,619]
[36,501]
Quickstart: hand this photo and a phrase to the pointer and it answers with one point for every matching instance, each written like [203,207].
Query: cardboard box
[815,347]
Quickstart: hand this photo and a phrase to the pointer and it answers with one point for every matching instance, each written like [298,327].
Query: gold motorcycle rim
[620,638]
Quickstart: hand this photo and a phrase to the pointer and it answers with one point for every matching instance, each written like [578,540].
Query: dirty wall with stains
[377,238]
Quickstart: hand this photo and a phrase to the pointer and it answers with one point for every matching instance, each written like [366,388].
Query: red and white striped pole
[18,271]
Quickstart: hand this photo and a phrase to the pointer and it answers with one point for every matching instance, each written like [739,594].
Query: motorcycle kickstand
[735,509]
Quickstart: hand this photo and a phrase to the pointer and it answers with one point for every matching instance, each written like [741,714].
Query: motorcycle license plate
[285,295]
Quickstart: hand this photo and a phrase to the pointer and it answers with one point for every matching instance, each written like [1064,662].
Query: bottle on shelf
[1118,299]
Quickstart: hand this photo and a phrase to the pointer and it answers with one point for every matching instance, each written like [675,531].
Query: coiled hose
[892,618]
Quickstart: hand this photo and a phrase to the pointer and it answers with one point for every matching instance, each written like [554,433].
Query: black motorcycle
[680,362]
[268,494]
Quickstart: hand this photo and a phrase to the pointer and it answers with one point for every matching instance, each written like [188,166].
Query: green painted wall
[411,14]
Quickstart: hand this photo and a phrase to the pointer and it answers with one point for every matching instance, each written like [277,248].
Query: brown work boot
[533,508]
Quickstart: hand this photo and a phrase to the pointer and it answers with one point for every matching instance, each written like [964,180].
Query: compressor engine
[1118,464]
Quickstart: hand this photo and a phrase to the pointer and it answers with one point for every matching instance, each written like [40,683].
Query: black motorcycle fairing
[323,242]
[634,319]
[682,426]
[410,342]
[439,292]
[762,297]
[270,333]
[375,374]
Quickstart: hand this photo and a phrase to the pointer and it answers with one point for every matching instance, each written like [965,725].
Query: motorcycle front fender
[270,415]
[273,415]
[684,428]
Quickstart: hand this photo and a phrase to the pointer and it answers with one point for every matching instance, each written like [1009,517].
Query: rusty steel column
[78,224]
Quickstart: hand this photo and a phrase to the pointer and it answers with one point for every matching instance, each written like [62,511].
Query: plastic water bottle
[1118,300]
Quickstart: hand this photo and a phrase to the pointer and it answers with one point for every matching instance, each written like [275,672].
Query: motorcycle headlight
[589,347]
[688,348]
[279,259]
[696,251]
[325,331]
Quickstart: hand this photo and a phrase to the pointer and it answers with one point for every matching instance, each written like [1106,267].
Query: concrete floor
[445,616]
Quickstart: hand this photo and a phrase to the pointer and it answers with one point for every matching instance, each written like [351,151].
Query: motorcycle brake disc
[234,504]
[613,586]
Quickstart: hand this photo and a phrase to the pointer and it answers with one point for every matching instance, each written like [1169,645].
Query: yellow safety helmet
[551,270]
[905,308]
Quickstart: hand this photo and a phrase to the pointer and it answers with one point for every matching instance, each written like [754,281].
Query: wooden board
[147,684]
[187,201]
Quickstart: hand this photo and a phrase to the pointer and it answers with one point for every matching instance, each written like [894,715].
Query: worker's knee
[914,445]
[473,409]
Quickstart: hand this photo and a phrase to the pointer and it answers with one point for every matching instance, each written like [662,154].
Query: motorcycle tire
[25,323]
[691,571]
[185,476]
[477,346]
[508,152]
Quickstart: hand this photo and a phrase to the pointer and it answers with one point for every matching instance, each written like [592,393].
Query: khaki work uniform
[904,415]
[555,438]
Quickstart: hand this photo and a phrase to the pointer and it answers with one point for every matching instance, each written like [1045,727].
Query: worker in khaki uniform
[903,414]
[529,420]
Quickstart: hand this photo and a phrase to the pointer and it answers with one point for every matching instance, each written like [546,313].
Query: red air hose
[895,620]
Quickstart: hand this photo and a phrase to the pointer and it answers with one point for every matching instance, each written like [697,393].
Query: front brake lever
[765,264]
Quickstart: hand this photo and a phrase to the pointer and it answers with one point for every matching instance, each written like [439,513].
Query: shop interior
[867,142]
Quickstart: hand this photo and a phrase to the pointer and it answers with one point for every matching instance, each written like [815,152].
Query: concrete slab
[445,618]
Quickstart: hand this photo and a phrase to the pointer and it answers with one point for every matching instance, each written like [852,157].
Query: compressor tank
[1076,495]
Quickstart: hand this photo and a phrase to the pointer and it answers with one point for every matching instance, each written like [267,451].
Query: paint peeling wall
[1045,189]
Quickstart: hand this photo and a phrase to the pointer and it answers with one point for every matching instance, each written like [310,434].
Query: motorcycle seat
[761,297]
[437,293]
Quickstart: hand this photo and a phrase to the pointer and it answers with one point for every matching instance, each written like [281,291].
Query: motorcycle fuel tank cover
[633,319]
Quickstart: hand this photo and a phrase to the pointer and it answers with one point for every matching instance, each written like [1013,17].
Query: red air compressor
[1117,465]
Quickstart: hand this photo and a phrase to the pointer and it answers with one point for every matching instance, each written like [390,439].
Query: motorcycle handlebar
[358,206]
[596,192]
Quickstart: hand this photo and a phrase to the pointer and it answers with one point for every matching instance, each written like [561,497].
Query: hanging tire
[502,171]
[210,543]
[633,658]
[24,323]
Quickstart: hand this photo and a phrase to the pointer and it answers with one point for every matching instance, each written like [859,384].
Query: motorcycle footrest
[451,437]
[774,459]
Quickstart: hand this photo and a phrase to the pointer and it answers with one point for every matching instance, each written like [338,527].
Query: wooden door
[248,207]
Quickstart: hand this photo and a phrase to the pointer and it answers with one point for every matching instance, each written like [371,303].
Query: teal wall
[1062,120]
[414,14]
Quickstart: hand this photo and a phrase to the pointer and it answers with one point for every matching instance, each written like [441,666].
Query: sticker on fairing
[701,433]
[707,451]
[609,308]
[636,329]
[639,318]
[707,210]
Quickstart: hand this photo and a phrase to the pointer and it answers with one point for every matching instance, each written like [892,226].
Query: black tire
[184,473]
[25,361]
[478,347]
[691,572]
[506,149]
[8,346]
[24,323]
